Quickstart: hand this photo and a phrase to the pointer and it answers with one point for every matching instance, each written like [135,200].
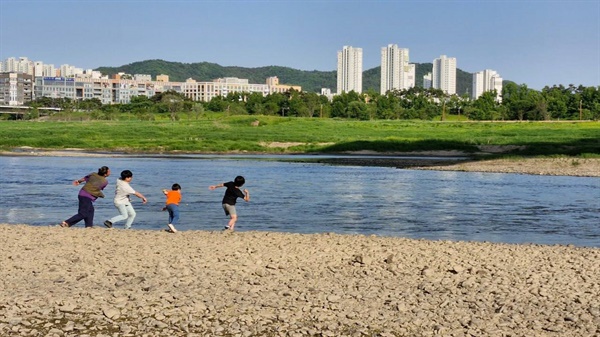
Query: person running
[172,206]
[122,200]
[229,199]
[92,190]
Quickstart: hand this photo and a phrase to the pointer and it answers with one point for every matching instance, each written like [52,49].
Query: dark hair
[126,174]
[103,170]
[175,187]
[239,181]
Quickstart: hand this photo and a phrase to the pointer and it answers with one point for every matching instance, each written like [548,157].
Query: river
[317,198]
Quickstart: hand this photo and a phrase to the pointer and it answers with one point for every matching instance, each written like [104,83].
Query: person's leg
[72,220]
[175,219]
[173,216]
[232,221]
[170,210]
[122,215]
[131,212]
[79,216]
[230,210]
[87,210]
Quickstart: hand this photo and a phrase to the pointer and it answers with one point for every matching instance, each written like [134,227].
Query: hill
[311,81]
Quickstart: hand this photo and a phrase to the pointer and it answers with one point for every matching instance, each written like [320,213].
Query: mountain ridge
[310,80]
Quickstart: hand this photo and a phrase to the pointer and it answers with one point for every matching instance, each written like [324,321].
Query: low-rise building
[205,91]
[120,90]
[31,80]
[108,91]
[275,87]
[15,88]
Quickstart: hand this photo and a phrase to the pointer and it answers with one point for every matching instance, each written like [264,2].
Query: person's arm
[141,196]
[212,187]
[246,195]
[165,191]
[80,181]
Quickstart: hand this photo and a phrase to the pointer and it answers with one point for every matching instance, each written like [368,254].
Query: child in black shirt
[229,199]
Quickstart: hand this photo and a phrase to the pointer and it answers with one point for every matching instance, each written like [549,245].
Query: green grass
[216,133]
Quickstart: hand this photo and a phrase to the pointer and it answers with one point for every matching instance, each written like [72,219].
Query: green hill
[311,81]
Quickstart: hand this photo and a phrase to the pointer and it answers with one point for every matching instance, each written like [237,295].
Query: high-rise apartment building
[427,81]
[444,74]
[38,69]
[486,80]
[67,70]
[22,65]
[48,70]
[349,70]
[396,72]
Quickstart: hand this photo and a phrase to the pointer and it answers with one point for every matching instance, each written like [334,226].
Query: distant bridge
[20,110]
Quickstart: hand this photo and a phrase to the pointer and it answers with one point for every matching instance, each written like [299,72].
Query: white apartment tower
[427,81]
[9,65]
[486,80]
[349,70]
[70,71]
[22,65]
[444,74]
[38,68]
[396,72]
[49,70]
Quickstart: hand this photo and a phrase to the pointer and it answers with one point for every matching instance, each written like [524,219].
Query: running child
[172,206]
[229,199]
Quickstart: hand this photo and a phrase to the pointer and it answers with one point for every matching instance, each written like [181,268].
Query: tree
[198,110]
[217,104]
[254,103]
[485,106]
[338,109]
[517,101]
[312,103]
[358,110]
[171,104]
[557,101]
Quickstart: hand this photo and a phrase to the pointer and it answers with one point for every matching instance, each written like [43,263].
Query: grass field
[217,134]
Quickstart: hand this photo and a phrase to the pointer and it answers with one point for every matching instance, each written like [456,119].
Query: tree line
[515,102]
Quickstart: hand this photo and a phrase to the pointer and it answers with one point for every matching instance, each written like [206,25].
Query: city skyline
[536,43]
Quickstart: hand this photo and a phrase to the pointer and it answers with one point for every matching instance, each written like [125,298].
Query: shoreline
[106,282]
[430,160]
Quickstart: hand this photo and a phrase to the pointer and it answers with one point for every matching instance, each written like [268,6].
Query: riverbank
[101,282]
[563,166]
[436,160]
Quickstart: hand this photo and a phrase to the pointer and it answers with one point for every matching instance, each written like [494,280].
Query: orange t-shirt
[173,197]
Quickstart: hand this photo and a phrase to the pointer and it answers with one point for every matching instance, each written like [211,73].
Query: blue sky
[532,42]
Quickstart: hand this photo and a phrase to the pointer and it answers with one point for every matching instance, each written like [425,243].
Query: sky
[533,42]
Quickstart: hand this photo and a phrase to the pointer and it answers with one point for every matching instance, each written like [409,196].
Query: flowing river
[316,198]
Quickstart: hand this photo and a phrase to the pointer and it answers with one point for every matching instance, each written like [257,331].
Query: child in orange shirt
[172,206]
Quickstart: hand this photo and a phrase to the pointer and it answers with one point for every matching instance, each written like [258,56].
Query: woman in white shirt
[123,201]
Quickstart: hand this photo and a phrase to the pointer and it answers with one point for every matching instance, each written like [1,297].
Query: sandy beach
[111,282]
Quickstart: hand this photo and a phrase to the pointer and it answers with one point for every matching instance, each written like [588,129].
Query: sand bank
[100,282]
[576,167]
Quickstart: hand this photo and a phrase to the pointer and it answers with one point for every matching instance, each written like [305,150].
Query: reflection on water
[313,198]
